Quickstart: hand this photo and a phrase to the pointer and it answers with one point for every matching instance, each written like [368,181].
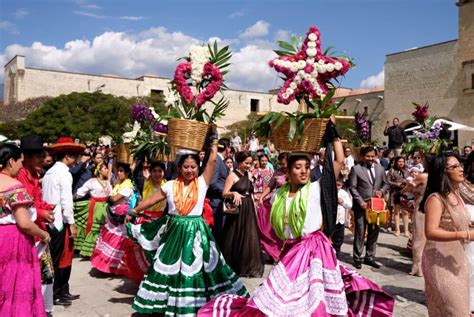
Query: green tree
[86,116]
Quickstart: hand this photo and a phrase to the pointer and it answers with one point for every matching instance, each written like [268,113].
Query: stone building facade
[23,82]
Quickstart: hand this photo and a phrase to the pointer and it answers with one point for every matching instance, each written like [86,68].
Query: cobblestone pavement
[111,296]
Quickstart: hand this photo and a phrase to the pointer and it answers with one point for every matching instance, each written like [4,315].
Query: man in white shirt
[57,191]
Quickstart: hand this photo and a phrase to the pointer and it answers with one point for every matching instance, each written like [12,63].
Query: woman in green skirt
[90,215]
[187,269]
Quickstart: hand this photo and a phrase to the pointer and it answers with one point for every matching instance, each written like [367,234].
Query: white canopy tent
[453,126]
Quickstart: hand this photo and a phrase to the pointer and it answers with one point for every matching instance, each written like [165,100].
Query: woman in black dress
[241,246]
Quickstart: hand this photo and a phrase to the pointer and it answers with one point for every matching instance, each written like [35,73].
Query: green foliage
[86,116]
[151,146]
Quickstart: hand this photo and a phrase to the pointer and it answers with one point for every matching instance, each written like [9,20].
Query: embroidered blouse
[11,198]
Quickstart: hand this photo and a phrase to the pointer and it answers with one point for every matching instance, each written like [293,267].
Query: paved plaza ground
[111,296]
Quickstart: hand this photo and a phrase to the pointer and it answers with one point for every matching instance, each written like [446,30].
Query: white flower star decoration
[308,70]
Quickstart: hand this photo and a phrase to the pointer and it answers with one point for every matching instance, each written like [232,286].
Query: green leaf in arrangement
[287,46]
[281,119]
[292,130]
[283,53]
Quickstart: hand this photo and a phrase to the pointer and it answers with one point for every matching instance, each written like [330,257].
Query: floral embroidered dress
[90,215]
[188,269]
[20,277]
[261,178]
[307,280]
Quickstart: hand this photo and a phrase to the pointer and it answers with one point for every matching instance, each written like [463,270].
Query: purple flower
[362,126]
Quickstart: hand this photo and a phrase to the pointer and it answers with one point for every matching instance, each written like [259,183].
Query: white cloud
[89,6]
[21,13]
[282,35]
[8,27]
[153,51]
[90,15]
[373,81]
[132,18]
[259,29]
[236,14]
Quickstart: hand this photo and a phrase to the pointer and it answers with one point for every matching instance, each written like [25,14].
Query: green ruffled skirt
[85,244]
[187,268]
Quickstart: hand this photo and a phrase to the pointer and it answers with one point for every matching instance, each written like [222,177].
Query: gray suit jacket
[361,187]
[216,187]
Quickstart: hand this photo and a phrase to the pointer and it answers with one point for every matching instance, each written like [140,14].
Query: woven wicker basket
[124,154]
[311,141]
[186,134]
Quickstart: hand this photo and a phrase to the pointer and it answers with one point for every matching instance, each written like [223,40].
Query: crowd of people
[186,231]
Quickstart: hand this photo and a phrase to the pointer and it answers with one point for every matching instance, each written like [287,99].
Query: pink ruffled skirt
[307,281]
[20,277]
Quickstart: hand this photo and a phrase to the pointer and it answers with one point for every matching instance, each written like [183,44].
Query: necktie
[372,176]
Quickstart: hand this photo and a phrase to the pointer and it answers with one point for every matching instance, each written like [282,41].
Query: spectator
[202,156]
[253,144]
[444,262]
[466,151]
[348,158]
[344,203]
[366,181]
[82,171]
[229,163]
[317,171]
[416,163]
[216,187]
[57,190]
[397,179]
[20,270]
[396,136]
[47,163]
[385,159]
[261,177]
[236,141]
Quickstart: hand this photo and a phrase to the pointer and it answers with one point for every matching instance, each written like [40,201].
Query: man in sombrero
[57,190]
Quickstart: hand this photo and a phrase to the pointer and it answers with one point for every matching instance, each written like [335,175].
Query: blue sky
[132,38]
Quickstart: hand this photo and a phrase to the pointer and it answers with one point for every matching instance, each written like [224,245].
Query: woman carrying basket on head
[188,268]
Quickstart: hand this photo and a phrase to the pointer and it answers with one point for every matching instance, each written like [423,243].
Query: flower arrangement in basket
[308,78]
[148,137]
[427,140]
[196,82]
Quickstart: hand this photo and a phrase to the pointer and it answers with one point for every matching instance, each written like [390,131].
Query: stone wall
[31,83]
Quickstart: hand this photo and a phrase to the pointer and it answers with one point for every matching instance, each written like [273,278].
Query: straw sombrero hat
[66,145]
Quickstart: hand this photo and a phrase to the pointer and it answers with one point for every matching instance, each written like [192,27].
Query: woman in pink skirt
[113,240]
[307,280]
[20,277]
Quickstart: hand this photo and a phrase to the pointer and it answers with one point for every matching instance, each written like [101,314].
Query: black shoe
[62,302]
[357,265]
[49,314]
[69,296]
[372,263]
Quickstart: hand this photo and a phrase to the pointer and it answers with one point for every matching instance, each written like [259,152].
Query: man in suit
[366,180]
[214,193]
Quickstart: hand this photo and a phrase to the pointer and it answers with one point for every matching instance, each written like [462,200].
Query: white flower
[310,61]
[314,73]
[330,67]
[170,98]
[319,91]
[289,91]
[311,52]
[301,74]
[322,69]
[338,65]
[199,56]
[292,85]
[312,37]
[301,64]
[294,67]
[321,62]
[297,79]
[311,44]
[285,95]
[153,112]
[287,64]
